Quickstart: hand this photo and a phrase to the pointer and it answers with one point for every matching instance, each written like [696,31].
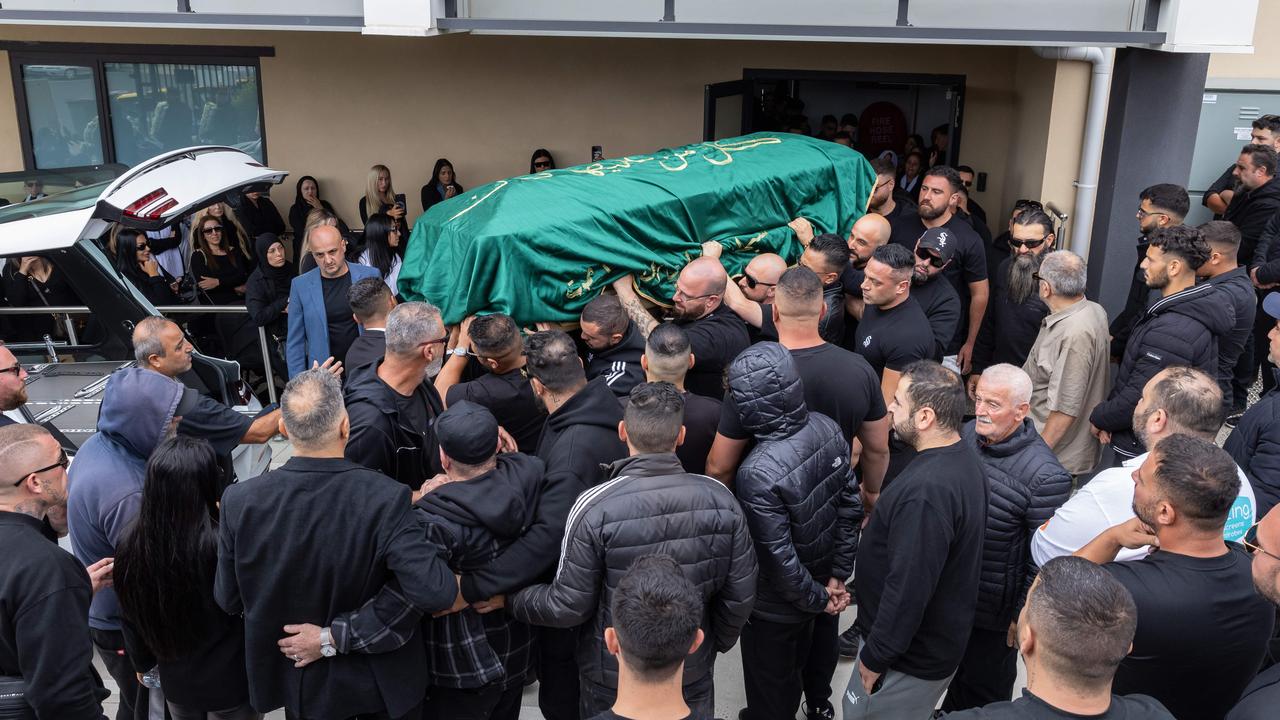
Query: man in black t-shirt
[371,300]
[894,331]
[1077,623]
[935,295]
[494,340]
[1262,696]
[667,358]
[656,615]
[919,557]
[716,334]
[1202,629]
[885,199]
[939,197]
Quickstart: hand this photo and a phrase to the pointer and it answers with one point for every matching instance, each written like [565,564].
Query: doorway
[889,107]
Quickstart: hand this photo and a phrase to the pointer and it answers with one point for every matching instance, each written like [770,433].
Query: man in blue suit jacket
[320,321]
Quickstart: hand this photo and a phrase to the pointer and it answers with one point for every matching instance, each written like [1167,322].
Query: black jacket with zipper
[381,438]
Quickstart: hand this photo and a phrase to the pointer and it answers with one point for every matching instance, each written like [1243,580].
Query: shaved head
[759,280]
[869,232]
[699,289]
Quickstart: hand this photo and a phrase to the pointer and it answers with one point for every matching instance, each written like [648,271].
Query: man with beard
[1013,317]
[998,249]
[1235,352]
[868,233]
[1262,696]
[716,333]
[939,197]
[886,201]
[934,251]
[754,290]
[391,404]
[1202,628]
[1177,400]
[1266,131]
[614,345]
[1160,206]
[13,385]
[44,592]
[919,559]
[1182,327]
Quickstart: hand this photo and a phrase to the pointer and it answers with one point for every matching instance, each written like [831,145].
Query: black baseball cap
[940,240]
[467,432]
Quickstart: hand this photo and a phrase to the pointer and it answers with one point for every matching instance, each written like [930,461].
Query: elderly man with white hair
[1069,363]
[1025,485]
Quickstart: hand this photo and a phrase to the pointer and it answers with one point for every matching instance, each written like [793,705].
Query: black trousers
[486,703]
[986,674]
[414,714]
[773,659]
[820,667]
[557,673]
[133,695]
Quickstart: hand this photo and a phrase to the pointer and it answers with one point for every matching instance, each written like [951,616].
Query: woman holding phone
[381,197]
[442,186]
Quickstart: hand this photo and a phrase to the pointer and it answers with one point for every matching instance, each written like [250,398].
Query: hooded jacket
[1181,329]
[382,438]
[650,504]
[796,488]
[105,481]
[620,364]
[474,521]
[579,438]
[1025,485]
[1255,446]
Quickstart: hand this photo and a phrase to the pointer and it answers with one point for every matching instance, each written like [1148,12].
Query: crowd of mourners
[921,426]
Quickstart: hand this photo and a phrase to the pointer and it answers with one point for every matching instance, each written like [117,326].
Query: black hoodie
[579,437]
[1250,211]
[383,435]
[620,364]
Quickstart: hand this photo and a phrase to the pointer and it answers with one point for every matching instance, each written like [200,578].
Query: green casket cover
[539,246]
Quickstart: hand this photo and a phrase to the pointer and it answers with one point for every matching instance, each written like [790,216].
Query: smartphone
[597,153]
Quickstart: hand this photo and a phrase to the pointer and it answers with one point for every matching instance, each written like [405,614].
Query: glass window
[160,107]
[62,108]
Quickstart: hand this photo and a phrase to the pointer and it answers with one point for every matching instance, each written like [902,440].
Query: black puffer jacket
[578,439]
[1025,485]
[1255,446]
[1181,329]
[796,487]
[651,505]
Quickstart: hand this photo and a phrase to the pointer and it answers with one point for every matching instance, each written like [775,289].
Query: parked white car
[67,228]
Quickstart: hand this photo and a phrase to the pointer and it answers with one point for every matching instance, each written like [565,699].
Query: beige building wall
[1264,62]
[336,103]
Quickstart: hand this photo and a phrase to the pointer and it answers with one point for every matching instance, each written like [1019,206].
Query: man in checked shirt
[478,656]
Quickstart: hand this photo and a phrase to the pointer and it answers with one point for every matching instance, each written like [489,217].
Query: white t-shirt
[393,278]
[1107,501]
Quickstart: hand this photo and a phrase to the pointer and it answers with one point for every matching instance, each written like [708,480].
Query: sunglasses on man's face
[934,260]
[1029,244]
[1250,542]
[752,282]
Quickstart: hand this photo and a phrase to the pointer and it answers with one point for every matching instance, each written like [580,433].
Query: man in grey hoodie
[139,409]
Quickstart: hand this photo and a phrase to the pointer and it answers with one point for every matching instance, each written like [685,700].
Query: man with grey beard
[391,403]
[1013,318]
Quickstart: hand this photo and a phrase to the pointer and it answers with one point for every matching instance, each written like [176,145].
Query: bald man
[868,233]
[13,385]
[716,333]
[759,279]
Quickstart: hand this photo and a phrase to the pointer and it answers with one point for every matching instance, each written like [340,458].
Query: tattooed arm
[631,303]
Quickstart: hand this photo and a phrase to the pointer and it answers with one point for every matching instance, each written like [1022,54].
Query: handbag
[13,699]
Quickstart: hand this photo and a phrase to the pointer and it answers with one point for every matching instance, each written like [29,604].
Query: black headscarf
[277,277]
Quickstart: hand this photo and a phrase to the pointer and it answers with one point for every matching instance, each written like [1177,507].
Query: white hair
[1010,378]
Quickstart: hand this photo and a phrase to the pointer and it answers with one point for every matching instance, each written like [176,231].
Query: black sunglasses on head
[934,260]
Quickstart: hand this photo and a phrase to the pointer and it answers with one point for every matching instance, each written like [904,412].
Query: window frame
[96,56]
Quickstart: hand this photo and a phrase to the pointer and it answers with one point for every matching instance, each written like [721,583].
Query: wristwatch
[459,351]
[326,643]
